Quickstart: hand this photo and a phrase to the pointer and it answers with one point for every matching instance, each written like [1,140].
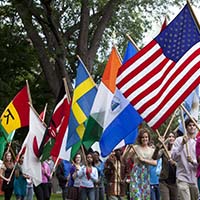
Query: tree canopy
[59,30]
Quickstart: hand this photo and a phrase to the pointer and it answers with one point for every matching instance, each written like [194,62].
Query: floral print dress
[139,177]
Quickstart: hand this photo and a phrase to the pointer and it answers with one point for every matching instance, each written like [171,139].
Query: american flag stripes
[160,76]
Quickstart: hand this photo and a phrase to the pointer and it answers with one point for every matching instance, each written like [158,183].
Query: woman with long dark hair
[5,172]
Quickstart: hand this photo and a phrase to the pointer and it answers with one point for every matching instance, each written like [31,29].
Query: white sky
[156,26]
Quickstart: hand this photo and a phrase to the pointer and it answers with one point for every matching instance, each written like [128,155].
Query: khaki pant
[168,191]
[187,191]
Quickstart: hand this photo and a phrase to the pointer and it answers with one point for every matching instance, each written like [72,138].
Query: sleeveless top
[7,175]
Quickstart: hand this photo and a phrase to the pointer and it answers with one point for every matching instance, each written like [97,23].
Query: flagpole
[171,120]
[84,156]
[29,94]
[17,159]
[11,174]
[114,46]
[10,149]
[190,116]
[184,128]
[118,53]
[193,14]
[67,89]
[132,41]
[37,115]
[54,167]
[163,144]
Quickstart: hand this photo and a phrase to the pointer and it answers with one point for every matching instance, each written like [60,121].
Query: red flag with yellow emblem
[16,114]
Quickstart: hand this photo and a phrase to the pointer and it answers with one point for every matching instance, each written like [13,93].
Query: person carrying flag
[184,153]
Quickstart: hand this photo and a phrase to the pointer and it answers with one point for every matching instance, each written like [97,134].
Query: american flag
[160,76]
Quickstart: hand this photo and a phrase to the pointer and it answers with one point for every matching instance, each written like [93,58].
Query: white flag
[31,164]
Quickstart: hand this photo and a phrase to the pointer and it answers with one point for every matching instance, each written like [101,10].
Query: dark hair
[140,135]
[96,153]
[187,121]
[169,146]
[89,154]
[173,132]
[74,159]
[5,161]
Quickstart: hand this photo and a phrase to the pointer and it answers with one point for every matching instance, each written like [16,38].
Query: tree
[40,39]
[59,30]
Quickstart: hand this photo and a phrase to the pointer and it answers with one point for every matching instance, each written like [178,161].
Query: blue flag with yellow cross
[84,93]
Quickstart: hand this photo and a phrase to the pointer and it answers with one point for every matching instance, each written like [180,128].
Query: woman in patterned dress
[139,177]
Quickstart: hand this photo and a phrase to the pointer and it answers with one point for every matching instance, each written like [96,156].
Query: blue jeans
[155,192]
[87,193]
[29,193]
[99,193]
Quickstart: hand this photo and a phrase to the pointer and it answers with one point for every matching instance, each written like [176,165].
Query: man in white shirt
[184,153]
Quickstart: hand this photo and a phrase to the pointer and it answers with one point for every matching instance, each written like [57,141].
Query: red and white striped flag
[160,76]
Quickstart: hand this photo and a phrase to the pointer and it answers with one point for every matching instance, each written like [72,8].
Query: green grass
[53,197]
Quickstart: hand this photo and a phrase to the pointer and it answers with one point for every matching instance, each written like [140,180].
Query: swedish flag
[83,97]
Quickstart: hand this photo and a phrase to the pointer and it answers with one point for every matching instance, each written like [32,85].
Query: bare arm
[129,153]
[2,171]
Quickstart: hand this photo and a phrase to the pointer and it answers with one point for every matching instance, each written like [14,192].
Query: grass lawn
[53,197]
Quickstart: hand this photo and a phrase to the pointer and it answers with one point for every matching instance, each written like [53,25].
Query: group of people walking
[15,181]
[169,170]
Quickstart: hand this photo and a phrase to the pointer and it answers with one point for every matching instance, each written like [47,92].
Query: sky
[157,26]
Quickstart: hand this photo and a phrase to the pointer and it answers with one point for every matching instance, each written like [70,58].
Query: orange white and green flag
[16,114]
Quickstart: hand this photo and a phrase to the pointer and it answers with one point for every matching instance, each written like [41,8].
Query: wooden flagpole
[84,156]
[29,94]
[190,116]
[10,148]
[132,41]
[67,90]
[184,128]
[11,174]
[164,146]
[170,122]
[37,115]
[54,167]
[118,53]
[193,14]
